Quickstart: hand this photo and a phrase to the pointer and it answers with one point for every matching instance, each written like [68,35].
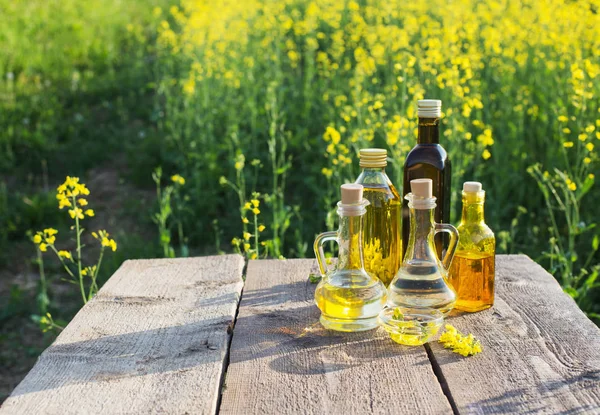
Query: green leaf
[596,242]
[587,185]
[314,278]
[571,291]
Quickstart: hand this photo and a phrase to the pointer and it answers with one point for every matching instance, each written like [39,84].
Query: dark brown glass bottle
[428,160]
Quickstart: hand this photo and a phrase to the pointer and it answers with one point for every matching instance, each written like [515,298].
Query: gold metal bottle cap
[373,157]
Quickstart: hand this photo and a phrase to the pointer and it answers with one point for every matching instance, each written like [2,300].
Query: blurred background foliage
[262,106]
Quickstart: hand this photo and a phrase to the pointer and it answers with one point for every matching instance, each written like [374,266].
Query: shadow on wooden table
[109,358]
[528,400]
[281,324]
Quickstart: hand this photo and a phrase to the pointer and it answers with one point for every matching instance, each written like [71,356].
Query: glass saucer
[411,326]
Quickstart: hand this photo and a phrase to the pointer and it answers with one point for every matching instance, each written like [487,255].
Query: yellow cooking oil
[349,306]
[472,276]
[382,244]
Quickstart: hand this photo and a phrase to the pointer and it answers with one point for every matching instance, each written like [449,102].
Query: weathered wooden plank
[154,340]
[282,361]
[541,354]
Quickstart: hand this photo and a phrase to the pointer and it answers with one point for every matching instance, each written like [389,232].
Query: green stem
[62,261]
[43,287]
[256,235]
[94,287]
[78,232]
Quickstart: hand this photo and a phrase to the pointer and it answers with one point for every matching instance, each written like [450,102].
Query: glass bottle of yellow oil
[421,282]
[349,298]
[382,241]
[473,269]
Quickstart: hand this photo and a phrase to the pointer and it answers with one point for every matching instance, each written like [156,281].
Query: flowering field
[256,113]
[278,96]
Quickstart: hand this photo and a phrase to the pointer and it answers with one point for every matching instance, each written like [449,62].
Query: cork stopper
[422,188]
[352,193]
[421,195]
[373,157]
[473,193]
[429,108]
[472,187]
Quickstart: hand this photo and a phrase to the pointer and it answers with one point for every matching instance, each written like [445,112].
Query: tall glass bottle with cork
[421,281]
[382,242]
[428,160]
[473,268]
[349,298]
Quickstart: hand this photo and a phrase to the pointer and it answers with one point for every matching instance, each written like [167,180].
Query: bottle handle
[445,227]
[318,247]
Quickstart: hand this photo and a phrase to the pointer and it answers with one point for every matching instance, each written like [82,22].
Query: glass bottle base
[471,306]
[339,324]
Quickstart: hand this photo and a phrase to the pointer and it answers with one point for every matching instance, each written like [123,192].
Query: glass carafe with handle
[422,280]
[349,298]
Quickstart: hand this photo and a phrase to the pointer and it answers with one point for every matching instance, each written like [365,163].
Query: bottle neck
[472,210]
[421,240]
[373,170]
[429,131]
[350,242]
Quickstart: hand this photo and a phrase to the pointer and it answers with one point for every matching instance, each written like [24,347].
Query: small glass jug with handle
[350,299]
[422,280]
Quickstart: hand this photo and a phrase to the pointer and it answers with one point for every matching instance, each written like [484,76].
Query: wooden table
[159,338]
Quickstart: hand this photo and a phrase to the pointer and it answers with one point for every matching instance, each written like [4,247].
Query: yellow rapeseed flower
[37,239]
[459,343]
[247,205]
[82,202]
[571,185]
[43,247]
[562,118]
[327,172]
[582,137]
[332,134]
[589,146]
[566,130]
[178,179]
[486,154]
[262,228]
[90,212]
[76,213]
[62,203]
[591,176]
[587,160]
[568,144]
[247,235]
[246,246]
[255,202]
[65,254]
[245,220]
[256,211]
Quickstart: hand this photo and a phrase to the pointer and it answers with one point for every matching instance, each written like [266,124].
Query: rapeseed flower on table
[459,343]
